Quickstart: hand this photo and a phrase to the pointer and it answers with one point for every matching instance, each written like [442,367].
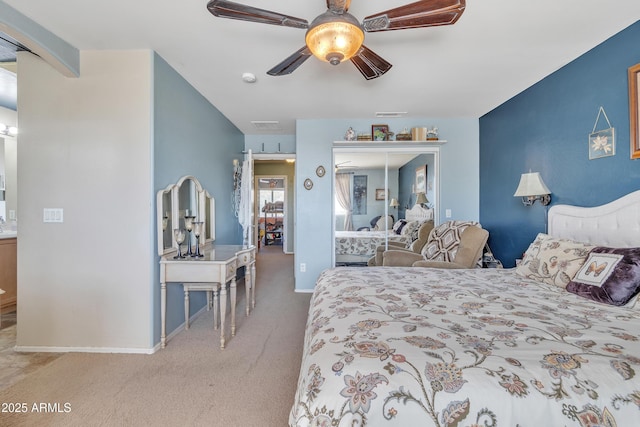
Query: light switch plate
[53,215]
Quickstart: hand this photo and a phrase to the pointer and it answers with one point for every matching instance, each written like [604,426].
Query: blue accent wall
[545,129]
[191,137]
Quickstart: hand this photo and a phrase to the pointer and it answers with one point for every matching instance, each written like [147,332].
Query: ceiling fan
[336,35]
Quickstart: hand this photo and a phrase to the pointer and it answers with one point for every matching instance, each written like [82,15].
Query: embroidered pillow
[610,276]
[399,225]
[444,240]
[552,260]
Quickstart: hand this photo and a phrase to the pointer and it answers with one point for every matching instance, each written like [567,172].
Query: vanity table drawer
[199,272]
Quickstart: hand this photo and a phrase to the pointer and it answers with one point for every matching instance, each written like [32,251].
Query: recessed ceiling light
[249,77]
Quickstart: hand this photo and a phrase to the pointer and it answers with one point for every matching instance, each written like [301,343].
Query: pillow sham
[553,260]
[610,276]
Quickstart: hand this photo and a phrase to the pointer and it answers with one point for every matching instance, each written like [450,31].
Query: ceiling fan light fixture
[334,38]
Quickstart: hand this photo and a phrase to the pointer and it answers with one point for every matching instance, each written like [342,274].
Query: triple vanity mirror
[186,198]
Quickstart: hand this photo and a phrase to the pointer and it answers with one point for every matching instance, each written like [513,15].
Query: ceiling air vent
[266,124]
[383,114]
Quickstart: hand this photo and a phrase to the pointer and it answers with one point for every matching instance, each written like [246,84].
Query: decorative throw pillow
[610,276]
[444,240]
[552,260]
[411,228]
[399,225]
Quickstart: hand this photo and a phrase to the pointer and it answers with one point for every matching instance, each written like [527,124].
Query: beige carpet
[192,381]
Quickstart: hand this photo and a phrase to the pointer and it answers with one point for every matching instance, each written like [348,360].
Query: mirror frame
[203,201]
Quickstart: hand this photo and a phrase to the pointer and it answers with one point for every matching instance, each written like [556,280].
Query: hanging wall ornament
[602,143]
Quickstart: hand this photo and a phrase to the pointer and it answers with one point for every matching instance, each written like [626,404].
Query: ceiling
[497,49]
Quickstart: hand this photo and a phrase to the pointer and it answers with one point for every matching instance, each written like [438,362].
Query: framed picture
[421,179]
[380,132]
[634,111]
[359,195]
[381,193]
[602,143]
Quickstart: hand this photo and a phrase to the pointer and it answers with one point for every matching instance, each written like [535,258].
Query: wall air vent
[266,124]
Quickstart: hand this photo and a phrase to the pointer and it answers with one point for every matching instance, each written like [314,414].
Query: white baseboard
[122,350]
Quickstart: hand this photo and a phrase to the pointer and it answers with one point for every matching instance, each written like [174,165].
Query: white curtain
[343,194]
[244,213]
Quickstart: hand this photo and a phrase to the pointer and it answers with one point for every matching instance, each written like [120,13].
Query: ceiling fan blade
[424,13]
[338,6]
[229,9]
[290,64]
[369,63]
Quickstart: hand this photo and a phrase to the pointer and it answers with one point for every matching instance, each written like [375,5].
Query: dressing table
[217,266]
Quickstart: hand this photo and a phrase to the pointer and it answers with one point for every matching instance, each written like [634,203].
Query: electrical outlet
[303,267]
[447,213]
[12,214]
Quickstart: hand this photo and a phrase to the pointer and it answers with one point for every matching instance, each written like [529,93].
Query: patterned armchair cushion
[552,260]
[610,276]
[444,240]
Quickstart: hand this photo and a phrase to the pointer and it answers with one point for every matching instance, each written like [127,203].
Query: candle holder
[197,231]
[188,224]
[179,235]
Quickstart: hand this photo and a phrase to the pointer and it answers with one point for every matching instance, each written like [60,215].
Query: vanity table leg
[233,306]
[186,308]
[163,312]
[253,284]
[223,312]
[247,287]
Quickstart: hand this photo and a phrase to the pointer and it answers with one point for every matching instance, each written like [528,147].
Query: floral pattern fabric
[393,346]
[364,243]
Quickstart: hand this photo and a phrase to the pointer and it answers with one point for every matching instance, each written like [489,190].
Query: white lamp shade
[394,203]
[531,184]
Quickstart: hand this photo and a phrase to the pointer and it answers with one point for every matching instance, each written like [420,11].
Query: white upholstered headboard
[418,213]
[615,224]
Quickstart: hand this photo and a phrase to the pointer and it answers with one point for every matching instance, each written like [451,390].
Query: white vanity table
[218,265]
[216,268]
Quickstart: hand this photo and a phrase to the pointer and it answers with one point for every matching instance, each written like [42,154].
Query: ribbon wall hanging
[602,143]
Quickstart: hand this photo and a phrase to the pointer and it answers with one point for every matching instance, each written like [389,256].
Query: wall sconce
[421,199]
[394,203]
[532,188]
[8,130]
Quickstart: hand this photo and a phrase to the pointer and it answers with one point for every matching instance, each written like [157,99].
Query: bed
[394,346]
[356,247]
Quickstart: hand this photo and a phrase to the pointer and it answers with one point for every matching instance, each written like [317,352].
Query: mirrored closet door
[374,187]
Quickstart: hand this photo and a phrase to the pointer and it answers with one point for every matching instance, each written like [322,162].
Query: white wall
[85,146]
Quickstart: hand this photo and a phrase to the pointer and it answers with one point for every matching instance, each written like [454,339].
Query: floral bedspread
[364,243]
[390,346]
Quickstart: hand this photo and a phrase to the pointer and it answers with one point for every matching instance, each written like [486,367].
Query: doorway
[273,216]
[271,194]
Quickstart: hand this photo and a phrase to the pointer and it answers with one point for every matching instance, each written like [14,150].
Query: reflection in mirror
[187,201]
[209,218]
[165,220]
[366,180]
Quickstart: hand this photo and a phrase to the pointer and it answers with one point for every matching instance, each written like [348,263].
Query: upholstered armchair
[415,247]
[465,252]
